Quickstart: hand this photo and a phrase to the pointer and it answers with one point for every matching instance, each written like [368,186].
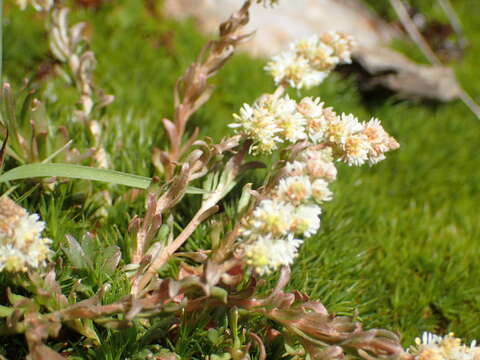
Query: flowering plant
[219,287]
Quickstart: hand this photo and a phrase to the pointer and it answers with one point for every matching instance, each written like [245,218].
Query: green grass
[399,242]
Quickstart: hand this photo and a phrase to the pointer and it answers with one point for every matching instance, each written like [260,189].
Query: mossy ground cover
[399,243]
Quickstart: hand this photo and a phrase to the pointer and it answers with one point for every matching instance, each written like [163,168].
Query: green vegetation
[398,244]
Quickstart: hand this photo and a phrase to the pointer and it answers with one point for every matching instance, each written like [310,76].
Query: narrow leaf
[196,190]
[6,311]
[76,172]
[2,150]
[76,254]
[57,152]
[111,257]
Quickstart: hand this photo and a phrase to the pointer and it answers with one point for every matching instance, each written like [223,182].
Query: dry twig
[427,51]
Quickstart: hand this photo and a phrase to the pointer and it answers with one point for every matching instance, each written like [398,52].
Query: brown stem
[417,37]
[202,214]
[454,20]
[413,32]
[471,104]
[280,90]
[192,89]
[222,252]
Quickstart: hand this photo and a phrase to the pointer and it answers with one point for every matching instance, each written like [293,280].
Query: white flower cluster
[270,236]
[272,121]
[276,228]
[272,233]
[21,244]
[309,61]
[434,347]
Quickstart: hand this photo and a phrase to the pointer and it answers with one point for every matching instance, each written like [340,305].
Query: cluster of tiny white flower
[21,244]
[434,347]
[273,120]
[272,234]
[309,61]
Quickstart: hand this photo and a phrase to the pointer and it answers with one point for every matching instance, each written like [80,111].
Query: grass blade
[76,172]
[57,152]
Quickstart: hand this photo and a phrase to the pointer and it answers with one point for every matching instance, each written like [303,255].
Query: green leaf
[14,298]
[110,257]
[76,254]
[196,190]
[219,293]
[57,152]
[6,311]
[85,328]
[215,337]
[76,172]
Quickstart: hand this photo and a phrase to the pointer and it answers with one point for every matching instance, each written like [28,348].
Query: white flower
[270,217]
[289,120]
[314,78]
[320,191]
[304,47]
[21,244]
[341,43]
[270,121]
[315,154]
[319,54]
[258,123]
[290,68]
[434,347]
[295,70]
[306,220]
[295,168]
[323,57]
[380,141]
[266,253]
[310,60]
[339,128]
[311,107]
[294,189]
[351,123]
[319,164]
[312,110]
[356,149]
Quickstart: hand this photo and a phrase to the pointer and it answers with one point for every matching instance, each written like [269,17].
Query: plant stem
[413,32]
[427,51]
[162,258]
[454,20]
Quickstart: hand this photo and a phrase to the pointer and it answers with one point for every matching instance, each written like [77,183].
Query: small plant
[215,289]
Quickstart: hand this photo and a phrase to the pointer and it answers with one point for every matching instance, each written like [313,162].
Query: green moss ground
[400,241]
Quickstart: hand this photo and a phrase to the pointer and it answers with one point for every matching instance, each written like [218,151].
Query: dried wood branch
[427,51]
[413,32]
